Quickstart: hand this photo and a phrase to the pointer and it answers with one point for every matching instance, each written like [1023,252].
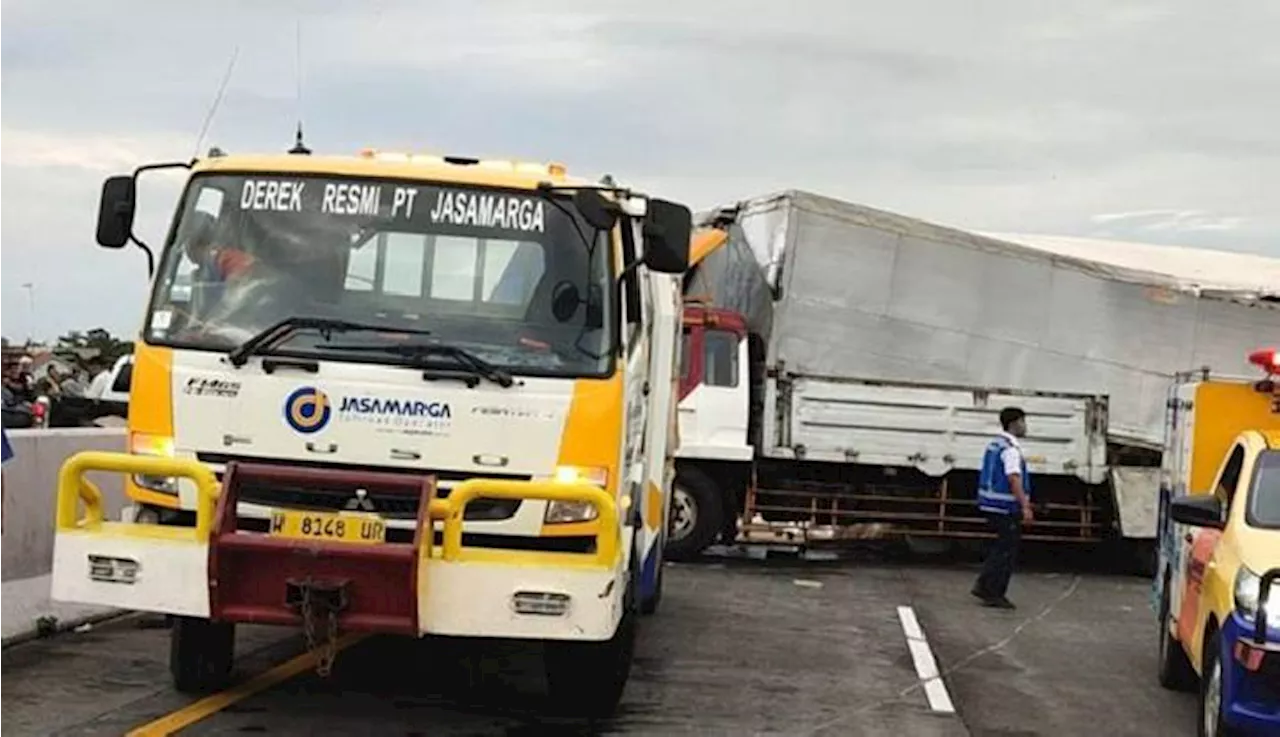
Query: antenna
[217,100]
[299,147]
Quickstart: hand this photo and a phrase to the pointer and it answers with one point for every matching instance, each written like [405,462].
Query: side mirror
[115,211]
[1198,511]
[667,228]
[565,298]
[595,208]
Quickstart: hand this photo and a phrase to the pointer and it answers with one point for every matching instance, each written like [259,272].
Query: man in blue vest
[1004,497]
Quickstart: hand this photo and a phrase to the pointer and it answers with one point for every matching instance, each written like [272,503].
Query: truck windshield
[1264,498]
[478,268]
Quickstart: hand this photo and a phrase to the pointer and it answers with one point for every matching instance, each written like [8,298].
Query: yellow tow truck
[1219,533]
[398,394]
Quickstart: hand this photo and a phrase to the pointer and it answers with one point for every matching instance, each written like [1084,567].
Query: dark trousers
[997,569]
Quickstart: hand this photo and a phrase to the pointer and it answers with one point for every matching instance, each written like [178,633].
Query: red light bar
[1267,359]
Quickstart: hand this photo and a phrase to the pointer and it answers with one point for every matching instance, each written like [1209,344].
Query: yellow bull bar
[74,488]
[450,510]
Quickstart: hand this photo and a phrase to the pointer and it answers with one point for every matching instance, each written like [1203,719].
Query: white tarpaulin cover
[865,293]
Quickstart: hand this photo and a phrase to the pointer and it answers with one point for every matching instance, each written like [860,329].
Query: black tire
[705,502]
[1212,678]
[1173,665]
[586,679]
[201,653]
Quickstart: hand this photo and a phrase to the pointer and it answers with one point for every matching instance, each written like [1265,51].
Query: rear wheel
[1174,667]
[200,654]
[697,514]
[587,678]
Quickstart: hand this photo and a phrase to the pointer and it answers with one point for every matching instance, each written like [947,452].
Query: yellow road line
[212,704]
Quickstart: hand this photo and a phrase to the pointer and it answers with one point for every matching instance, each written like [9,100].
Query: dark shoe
[999,602]
[975,591]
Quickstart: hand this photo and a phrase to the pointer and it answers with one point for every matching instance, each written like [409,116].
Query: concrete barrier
[26,523]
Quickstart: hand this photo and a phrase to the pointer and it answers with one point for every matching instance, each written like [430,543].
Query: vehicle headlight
[564,512]
[1247,589]
[144,444]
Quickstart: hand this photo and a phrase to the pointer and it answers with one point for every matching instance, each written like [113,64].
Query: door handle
[329,449]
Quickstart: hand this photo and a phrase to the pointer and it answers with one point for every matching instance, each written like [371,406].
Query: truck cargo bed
[935,428]
[845,459]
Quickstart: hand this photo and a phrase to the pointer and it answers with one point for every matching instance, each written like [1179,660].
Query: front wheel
[697,514]
[587,678]
[200,654]
[1212,707]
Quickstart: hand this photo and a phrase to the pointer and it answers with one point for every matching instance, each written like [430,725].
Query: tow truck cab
[448,383]
[1220,550]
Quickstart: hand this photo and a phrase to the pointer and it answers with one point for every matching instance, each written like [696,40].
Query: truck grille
[389,505]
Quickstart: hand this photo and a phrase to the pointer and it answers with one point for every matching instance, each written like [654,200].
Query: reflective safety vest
[994,494]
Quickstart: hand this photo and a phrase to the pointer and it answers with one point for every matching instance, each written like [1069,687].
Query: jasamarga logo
[407,413]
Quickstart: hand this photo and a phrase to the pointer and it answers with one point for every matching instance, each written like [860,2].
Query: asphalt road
[738,648]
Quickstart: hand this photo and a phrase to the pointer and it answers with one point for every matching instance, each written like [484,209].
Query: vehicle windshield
[1264,497]
[479,268]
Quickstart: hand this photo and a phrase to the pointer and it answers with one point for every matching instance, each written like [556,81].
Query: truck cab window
[1229,481]
[633,305]
[1264,497]
[721,352]
[123,379]
[484,281]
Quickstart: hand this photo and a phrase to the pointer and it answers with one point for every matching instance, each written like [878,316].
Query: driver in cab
[215,263]
[237,293]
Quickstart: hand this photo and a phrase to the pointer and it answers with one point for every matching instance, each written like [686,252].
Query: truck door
[1200,544]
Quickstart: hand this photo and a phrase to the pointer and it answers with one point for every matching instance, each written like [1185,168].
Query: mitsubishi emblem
[360,502]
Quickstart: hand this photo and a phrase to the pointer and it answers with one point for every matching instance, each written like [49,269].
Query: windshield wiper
[276,333]
[466,358]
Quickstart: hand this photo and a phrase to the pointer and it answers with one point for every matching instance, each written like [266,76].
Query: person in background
[70,383]
[1004,498]
[26,376]
[17,386]
[101,376]
[4,461]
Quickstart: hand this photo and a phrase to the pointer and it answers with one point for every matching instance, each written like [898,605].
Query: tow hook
[318,603]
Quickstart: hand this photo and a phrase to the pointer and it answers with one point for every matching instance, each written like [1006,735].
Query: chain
[329,650]
[308,620]
[325,665]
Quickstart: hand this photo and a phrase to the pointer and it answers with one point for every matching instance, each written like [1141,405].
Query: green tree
[95,342]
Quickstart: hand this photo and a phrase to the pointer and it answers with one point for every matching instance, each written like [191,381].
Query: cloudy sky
[1154,121]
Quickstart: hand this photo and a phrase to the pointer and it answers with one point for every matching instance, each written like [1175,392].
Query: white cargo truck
[844,368]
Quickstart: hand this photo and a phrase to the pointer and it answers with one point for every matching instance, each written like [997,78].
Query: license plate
[347,528]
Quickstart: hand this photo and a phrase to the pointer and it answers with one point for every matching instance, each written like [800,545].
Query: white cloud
[94,153]
[1135,119]
[1173,220]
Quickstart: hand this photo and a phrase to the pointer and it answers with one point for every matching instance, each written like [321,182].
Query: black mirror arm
[151,257]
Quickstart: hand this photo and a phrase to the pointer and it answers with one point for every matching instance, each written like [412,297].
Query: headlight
[1247,588]
[564,512]
[153,445]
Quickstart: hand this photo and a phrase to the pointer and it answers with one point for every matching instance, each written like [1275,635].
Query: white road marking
[935,690]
